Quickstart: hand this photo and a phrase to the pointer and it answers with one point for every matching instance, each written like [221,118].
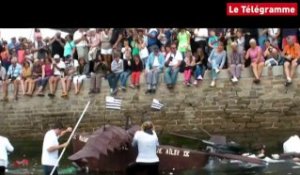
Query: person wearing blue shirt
[13,76]
[217,60]
[13,44]
[154,66]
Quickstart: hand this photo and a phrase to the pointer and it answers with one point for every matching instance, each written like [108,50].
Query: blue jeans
[113,79]
[123,78]
[198,71]
[171,75]
[144,60]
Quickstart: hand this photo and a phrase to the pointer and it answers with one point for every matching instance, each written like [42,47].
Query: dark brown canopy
[107,138]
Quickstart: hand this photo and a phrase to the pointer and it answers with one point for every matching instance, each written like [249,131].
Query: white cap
[56,56]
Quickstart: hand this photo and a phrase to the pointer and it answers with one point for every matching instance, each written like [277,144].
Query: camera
[170,58]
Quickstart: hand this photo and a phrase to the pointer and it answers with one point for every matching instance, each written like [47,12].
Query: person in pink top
[21,54]
[257,59]
[189,62]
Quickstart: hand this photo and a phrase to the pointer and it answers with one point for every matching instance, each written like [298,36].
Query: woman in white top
[147,142]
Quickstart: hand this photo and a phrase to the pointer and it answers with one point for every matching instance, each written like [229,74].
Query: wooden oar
[71,136]
[238,157]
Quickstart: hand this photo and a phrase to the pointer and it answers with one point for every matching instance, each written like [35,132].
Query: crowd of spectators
[122,55]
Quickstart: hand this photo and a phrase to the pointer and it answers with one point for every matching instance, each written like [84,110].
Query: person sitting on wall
[117,67]
[99,71]
[217,60]
[147,142]
[291,55]
[173,62]
[58,73]
[257,60]
[235,62]
[271,55]
[13,76]
[154,66]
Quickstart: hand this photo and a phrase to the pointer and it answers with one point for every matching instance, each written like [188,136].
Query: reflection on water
[31,150]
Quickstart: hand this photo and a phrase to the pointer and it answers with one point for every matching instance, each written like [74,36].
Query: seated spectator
[59,68]
[13,76]
[81,74]
[25,76]
[35,77]
[126,72]
[189,62]
[136,69]
[154,67]
[117,68]
[70,72]
[2,74]
[47,73]
[217,60]
[235,62]
[257,60]
[99,71]
[288,32]
[200,64]
[5,56]
[291,55]
[173,62]
[271,54]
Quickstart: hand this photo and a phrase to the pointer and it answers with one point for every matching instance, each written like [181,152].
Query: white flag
[112,103]
[156,104]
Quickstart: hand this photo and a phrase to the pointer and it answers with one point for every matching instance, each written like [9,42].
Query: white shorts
[78,79]
[106,51]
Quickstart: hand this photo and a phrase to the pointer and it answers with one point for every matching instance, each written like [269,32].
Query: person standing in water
[147,142]
[51,147]
[5,147]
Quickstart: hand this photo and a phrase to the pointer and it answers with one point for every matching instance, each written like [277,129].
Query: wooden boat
[109,150]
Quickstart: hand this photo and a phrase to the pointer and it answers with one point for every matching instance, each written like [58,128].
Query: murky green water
[31,150]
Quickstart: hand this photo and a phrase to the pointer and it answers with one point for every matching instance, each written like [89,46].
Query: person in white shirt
[147,142]
[71,70]
[274,34]
[173,61]
[58,73]
[81,42]
[51,147]
[117,67]
[200,38]
[5,147]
